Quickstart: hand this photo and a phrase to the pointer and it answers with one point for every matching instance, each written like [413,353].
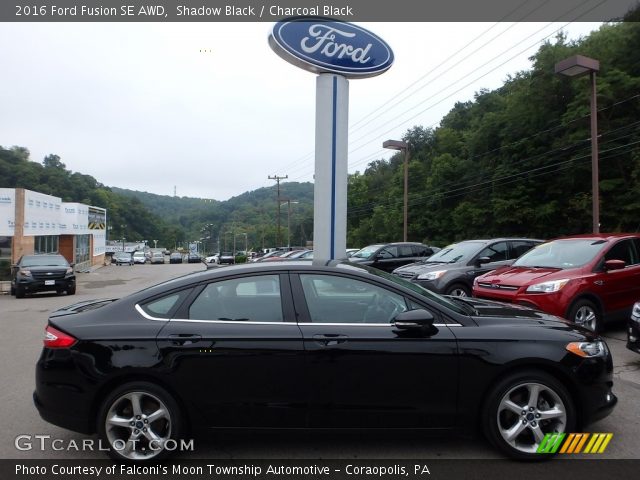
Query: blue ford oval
[321,45]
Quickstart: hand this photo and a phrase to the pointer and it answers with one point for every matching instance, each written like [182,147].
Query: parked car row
[587,279]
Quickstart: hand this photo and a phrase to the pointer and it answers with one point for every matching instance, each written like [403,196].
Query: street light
[573,67]
[404,148]
[289,202]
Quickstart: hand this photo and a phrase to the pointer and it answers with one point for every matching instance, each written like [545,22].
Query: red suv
[588,279]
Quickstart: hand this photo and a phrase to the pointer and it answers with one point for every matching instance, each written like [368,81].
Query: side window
[496,252]
[165,306]
[405,251]
[251,299]
[422,251]
[622,250]
[333,299]
[520,248]
[389,252]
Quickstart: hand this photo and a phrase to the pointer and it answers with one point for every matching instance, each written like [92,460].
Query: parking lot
[23,321]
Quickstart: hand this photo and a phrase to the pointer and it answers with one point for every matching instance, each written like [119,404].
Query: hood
[521,276]
[419,267]
[488,312]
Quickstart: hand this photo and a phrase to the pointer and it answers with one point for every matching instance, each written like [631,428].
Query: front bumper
[31,285]
[633,334]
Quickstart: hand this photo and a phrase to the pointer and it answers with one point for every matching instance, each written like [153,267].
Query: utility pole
[277,179]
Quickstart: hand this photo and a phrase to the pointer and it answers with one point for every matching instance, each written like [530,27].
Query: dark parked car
[42,273]
[175,257]
[451,270]
[194,258]
[588,279]
[315,344]
[390,256]
[633,329]
[227,258]
[122,258]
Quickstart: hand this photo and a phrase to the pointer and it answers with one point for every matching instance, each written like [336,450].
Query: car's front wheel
[137,420]
[524,407]
[585,313]
[459,290]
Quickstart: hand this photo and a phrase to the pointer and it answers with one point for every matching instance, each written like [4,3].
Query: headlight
[547,287]
[26,273]
[588,349]
[69,270]
[431,275]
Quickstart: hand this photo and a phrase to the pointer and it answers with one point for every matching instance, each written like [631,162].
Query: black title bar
[352,10]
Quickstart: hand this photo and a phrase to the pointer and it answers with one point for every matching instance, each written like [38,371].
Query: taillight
[54,338]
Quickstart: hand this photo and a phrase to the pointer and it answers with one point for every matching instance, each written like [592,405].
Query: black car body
[451,271]
[302,344]
[633,329]
[42,273]
[390,256]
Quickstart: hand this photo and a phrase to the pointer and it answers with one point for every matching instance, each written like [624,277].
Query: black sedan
[315,344]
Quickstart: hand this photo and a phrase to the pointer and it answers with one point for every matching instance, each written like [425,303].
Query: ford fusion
[315,344]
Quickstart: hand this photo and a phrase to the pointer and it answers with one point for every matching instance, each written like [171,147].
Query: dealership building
[33,222]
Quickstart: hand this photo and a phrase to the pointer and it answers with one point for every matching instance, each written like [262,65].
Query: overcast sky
[210,109]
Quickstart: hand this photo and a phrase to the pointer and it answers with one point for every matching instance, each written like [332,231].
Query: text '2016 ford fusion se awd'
[322,344]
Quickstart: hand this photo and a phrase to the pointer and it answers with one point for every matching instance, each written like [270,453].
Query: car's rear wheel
[458,290]
[586,314]
[137,420]
[524,407]
[13,290]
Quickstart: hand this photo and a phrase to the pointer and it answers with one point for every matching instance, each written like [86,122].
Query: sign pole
[330,189]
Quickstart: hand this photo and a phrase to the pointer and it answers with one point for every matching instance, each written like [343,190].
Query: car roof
[258,268]
[599,236]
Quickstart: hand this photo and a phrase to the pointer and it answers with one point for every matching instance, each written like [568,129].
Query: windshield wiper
[471,310]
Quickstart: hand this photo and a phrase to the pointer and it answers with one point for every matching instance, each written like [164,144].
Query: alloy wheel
[527,412]
[137,425]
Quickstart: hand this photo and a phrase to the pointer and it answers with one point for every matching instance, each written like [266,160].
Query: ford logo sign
[322,45]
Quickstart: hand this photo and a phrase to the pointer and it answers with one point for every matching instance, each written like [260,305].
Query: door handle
[184,339]
[330,339]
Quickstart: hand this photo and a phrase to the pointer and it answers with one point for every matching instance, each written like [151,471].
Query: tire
[514,421]
[20,292]
[71,290]
[13,290]
[458,290]
[585,313]
[117,413]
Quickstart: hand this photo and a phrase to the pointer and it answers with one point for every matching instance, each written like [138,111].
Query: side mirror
[413,320]
[614,265]
[482,260]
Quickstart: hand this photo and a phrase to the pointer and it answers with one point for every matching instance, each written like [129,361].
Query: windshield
[123,255]
[434,297]
[569,253]
[456,252]
[44,260]
[366,252]
[138,254]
